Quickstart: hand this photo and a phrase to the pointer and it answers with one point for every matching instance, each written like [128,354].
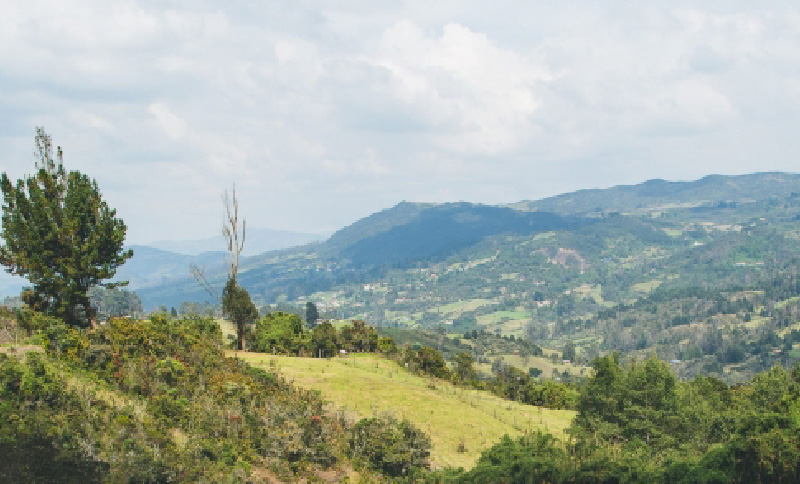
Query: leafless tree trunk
[199,274]
[230,230]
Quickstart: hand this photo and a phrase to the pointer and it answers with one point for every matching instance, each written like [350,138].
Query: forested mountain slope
[698,272]
[656,193]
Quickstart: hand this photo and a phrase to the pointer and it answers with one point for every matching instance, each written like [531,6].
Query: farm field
[366,385]
[545,364]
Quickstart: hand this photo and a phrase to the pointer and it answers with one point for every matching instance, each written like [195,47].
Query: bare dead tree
[199,274]
[236,302]
[230,230]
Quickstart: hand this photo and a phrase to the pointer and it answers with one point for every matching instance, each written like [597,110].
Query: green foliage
[61,235]
[637,424]
[156,401]
[622,405]
[426,360]
[32,321]
[394,447]
[358,337]
[324,340]
[532,458]
[514,384]
[279,333]
[38,440]
[239,308]
[387,345]
[463,373]
[312,314]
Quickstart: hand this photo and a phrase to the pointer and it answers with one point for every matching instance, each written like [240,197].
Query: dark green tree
[394,447]
[312,314]
[463,372]
[428,361]
[323,340]
[239,308]
[569,351]
[60,234]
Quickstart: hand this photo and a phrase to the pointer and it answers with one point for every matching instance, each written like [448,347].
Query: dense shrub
[394,447]
[155,401]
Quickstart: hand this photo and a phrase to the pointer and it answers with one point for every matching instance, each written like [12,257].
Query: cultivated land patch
[524,363]
[646,286]
[457,308]
[367,385]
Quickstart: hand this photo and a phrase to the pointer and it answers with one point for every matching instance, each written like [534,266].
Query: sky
[323,112]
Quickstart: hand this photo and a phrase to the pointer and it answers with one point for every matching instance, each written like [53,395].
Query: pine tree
[312,314]
[60,234]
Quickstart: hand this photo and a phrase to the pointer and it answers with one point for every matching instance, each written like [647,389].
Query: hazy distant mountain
[257,242]
[438,231]
[416,234]
[709,190]
[152,267]
[149,267]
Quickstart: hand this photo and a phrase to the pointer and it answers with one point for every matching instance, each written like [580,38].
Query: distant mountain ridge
[257,241]
[710,189]
[438,231]
[415,234]
[155,267]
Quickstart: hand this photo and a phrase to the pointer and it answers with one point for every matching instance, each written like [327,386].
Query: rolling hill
[362,386]
[700,273]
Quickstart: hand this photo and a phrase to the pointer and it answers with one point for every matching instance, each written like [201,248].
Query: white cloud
[322,113]
[173,125]
[475,96]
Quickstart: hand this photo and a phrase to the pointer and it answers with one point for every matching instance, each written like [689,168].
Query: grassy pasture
[500,316]
[460,307]
[646,286]
[367,385]
[544,364]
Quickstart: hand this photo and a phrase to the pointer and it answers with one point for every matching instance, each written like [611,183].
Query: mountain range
[702,273]
[417,234]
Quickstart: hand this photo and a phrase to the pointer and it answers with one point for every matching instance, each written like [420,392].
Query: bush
[394,447]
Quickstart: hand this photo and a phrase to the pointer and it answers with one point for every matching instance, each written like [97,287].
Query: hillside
[445,229]
[695,272]
[655,194]
[157,401]
[367,385]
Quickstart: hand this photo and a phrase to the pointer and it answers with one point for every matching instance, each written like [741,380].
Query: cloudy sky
[324,112]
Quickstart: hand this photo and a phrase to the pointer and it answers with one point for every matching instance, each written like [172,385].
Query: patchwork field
[545,364]
[366,385]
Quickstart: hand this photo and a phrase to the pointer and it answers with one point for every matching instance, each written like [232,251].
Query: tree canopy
[61,235]
[239,308]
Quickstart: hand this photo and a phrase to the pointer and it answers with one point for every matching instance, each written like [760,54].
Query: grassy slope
[544,364]
[367,385]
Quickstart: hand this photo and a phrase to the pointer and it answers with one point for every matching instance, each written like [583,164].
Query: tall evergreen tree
[60,234]
[239,308]
[312,314]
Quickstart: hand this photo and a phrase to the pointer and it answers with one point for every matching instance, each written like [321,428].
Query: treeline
[284,334]
[638,423]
